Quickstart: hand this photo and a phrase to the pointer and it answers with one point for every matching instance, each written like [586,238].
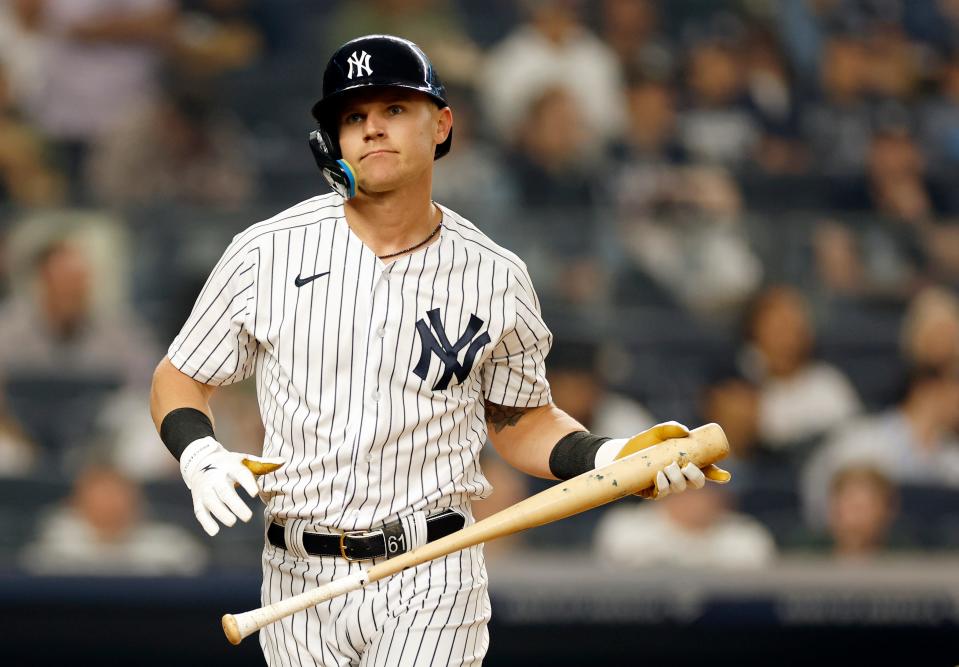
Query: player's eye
[395,109]
[353,118]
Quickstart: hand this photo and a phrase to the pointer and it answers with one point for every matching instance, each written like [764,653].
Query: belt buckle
[343,536]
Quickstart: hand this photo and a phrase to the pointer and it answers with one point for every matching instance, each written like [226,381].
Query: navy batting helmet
[377,61]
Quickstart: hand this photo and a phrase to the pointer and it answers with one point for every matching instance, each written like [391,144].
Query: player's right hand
[211,472]
[671,479]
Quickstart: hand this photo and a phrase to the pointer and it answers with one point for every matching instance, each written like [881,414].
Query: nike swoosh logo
[300,282]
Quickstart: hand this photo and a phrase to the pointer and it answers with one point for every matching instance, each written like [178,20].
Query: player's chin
[380,180]
[377,185]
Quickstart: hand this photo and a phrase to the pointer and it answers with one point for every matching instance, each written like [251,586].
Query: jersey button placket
[378,325]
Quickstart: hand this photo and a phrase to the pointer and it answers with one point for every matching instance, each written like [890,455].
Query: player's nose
[375,126]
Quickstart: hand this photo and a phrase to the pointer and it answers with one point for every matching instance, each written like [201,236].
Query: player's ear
[444,124]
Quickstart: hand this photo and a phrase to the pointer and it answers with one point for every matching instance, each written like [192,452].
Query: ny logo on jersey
[448,353]
[361,62]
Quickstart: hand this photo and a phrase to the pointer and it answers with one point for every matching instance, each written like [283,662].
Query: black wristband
[574,454]
[182,426]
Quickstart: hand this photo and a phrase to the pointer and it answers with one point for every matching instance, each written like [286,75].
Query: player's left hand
[672,478]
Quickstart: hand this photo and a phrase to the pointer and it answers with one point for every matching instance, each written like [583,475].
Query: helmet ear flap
[337,171]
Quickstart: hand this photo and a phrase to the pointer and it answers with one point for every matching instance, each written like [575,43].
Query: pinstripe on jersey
[366,436]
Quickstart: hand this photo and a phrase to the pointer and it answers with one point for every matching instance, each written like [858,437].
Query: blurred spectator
[652,140]
[868,259]
[799,26]
[216,36]
[557,188]
[890,247]
[124,435]
[645,178]
[62,356]
[578,388]
[774,104]
[732,401]
[553,49]
[57,330]
[939,141]
[692,529]
[714,125]
[551,164]
[631,29]
[800,396]
[940,119]
[434,25]
[26,177]
[472,179]
[934,23]
[930,330]
[838,264]
[893,64]
[862,508]
[101,530]
[766,480]
[838,128]
[896,172]
[22,51]
[693,241]
[183,150]
[913,442]
[101,62]
[18,455]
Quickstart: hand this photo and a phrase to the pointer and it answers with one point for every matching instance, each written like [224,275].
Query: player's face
[389,136]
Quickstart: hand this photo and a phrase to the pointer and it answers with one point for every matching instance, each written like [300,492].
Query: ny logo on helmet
[448,352]
[362,63]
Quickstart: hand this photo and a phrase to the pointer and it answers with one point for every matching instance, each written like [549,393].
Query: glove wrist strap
[194,455]
[607,452]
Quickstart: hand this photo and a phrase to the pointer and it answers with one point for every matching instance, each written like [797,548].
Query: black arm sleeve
[574,454]
[182,426]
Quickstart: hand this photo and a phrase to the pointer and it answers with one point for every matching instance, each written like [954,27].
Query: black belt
[354,545]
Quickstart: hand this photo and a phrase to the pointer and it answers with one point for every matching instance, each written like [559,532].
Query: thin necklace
[418,245]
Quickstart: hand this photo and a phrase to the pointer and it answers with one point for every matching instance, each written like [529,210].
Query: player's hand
[211,472]
[672,478]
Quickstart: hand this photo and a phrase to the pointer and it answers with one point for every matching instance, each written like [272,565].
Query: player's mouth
[380,151]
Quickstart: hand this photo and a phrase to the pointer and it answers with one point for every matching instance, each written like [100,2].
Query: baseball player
[389,339]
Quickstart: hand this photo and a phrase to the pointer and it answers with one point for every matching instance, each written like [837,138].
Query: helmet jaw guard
[337,172]
[380,61]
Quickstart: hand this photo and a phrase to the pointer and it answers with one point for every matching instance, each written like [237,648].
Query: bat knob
[231,629]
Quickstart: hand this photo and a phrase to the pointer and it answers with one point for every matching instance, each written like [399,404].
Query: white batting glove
[673,479]
[211,472]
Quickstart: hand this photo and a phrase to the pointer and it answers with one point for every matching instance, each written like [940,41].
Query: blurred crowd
[734,211]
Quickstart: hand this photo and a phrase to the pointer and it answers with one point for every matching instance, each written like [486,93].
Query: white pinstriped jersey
[370,375]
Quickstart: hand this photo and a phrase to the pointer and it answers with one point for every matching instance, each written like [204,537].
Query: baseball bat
[706,444]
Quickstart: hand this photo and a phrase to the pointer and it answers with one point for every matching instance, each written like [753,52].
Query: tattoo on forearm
[501,416]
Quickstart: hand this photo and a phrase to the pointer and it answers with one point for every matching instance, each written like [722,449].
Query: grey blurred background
[733,211]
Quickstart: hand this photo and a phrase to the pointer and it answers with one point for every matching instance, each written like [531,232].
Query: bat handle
[238,626]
